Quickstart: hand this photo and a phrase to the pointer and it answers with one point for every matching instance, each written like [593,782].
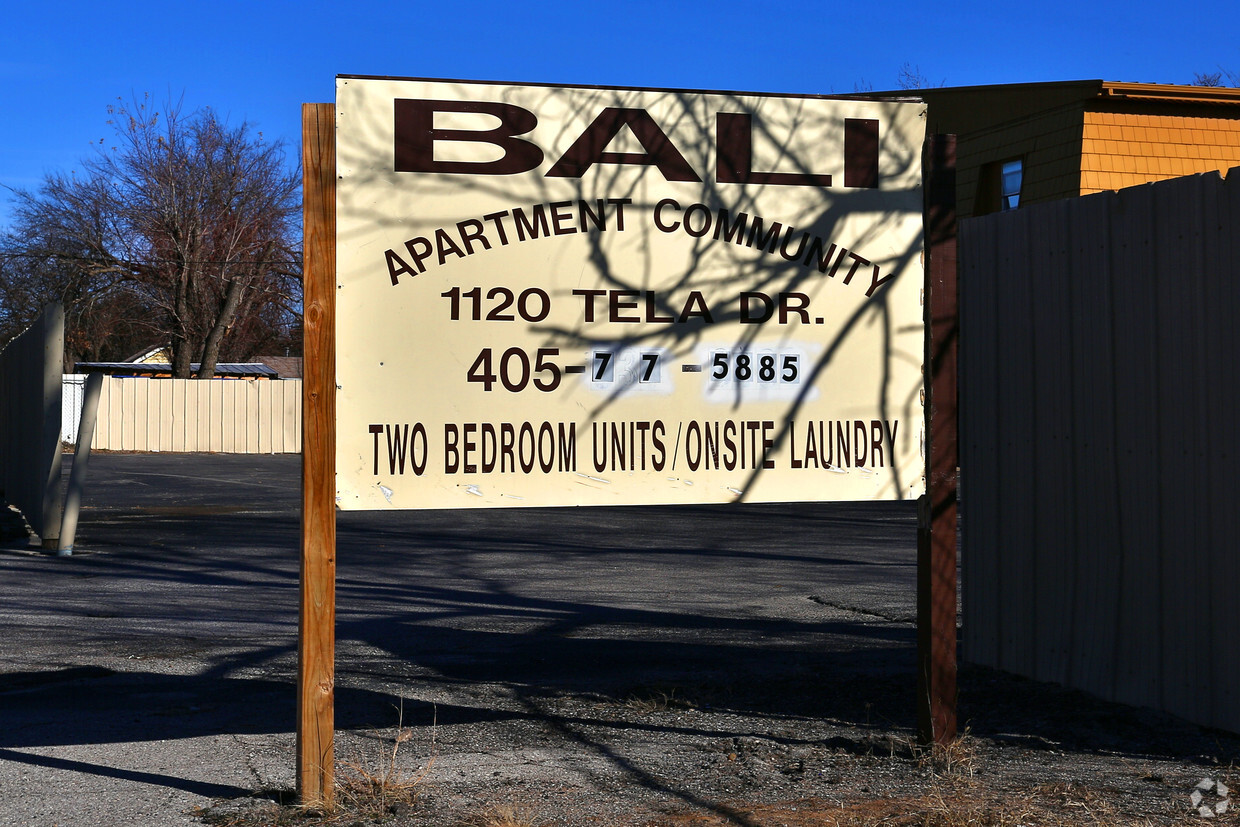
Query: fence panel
[1094,604]
[31,411]
[229,416]
[1098,400]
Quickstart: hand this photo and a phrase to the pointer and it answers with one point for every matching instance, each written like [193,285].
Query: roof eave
[1166,92]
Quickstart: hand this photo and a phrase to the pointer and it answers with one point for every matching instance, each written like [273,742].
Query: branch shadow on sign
[680,271]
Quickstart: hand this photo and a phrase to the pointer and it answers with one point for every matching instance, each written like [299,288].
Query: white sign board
[583,296]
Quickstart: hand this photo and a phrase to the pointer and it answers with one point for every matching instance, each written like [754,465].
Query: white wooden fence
[230,416]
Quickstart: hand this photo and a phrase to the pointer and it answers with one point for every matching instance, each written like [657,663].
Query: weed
[955,758]
[652,698]
[502,815]
[379,787]
[375,789]
[651,702]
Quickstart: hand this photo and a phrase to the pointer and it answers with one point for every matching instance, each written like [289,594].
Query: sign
[585,296]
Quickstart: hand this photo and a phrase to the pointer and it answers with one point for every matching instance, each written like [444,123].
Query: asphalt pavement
[153,671]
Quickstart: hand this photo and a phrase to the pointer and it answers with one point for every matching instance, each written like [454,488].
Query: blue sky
[62,63]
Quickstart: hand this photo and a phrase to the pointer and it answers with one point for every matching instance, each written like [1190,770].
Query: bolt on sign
[556,295]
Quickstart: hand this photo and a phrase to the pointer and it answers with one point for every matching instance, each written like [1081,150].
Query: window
[999,185]
[1009,184]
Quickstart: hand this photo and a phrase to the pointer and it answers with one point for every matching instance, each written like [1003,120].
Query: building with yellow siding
[1026,143]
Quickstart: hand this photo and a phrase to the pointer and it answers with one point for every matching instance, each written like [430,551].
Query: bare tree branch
[183,231]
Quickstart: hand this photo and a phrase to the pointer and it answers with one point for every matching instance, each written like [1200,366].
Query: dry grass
[377,786]
[956,758]
[948,805]
[503,815]
[655,700]
[959,795]
[373,787]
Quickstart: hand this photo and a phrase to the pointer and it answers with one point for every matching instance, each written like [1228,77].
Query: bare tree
[104,319]
[911,77]
[1222,77]
[185,217]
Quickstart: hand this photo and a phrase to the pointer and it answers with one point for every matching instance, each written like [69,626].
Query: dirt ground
[839,750]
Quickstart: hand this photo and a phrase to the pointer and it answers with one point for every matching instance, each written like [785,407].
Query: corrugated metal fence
[1099,437]
[29,434]
[232,416]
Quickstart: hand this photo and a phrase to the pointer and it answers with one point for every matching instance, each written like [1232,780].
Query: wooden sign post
[317,632]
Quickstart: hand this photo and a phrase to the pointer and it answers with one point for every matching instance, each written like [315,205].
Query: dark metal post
[936,541]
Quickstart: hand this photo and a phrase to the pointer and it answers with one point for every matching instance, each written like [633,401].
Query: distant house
[163,370]
[156,363]
[156,355]
[288,367]
[1026,143]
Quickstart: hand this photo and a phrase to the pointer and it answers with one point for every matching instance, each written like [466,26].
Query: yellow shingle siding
[1121,149]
